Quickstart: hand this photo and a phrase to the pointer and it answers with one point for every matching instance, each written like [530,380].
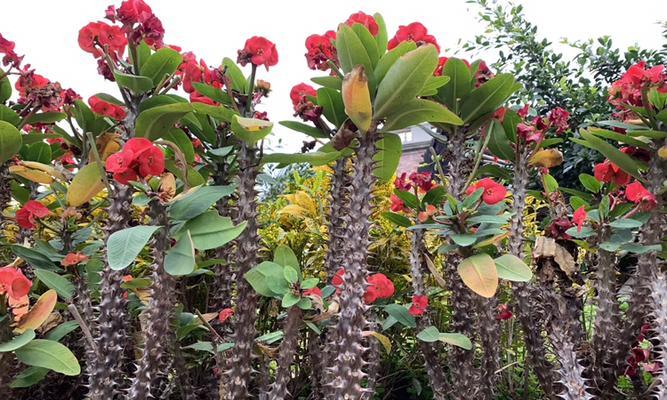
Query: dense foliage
[141,260]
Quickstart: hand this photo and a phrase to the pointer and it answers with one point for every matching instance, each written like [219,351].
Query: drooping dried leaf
[39,313]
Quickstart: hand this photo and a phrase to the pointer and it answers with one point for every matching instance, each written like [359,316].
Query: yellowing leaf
[39,313]
[85,185]
[107,144]
[302,199]
[547,158]
[294,210]
[32,175]
[250,130]
[357,98]
[386,343]
[479,273]
[167,187]
[662,152]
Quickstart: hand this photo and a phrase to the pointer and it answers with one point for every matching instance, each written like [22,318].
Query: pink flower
[397,204]
[504,312]
[419,305]
[559,119]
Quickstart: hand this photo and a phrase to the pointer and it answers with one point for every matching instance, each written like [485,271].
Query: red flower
[559,119]
[338,279]
[139,158]
[441,66]
[483,74]
[258,51]
[13,283]
[321,49]
[106,109]
[27,215]
[579,218]
[402,184]
[152,162]
[503,312]
[119,162]
[225,314]
[627,91]
[303,107]
[419,305]
[558,228]
[314,292]
[423,216]
[397,204]
[192,71]
[74,259]
[638,194]
[422,180]
[415,32]
[365,20]
[7,48]
[493,191]
[134,11]
[300,91]
[379,287]
[608,172]
[111,37]
[529,133]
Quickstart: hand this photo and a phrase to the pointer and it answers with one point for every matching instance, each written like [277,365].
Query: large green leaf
[218,112]
[387,157]
[488,97]
[136,83]
[5,88]
[210,230]
[29,377]
[182,141]
[351,50]
[622,160]
[479,273]
[49,117]
[87,183]
[314,158]
[499,145]
[418,111]
[389,58]
[51,355]
[39,152]
[180,259]
[284,256]
[400,312]
[33,257]
[17,341]
[59,283]
[431,334]
[381,38]
[155,121]
[9,115]
[332,105]
[629,140]
[332,82]
[161,64]
[305,129]
[10,141]
[460,83]
[368,42]
[239,82]
[512,268]
[405,79]
[397,219]
[124,246]
[197,200]
[267,279]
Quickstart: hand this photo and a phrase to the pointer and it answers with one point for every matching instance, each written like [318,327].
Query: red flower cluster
[321,49]
[10,57]
[97,36]
[133,12]
[314,292]
[13,283]
[139,158]
[535,130]
[420,180]
[423,216]
[27,215]
[559,117]
[627,91]
[638,194]
[608,172]
[579,217]
[39,92]
[397,204]
[364,19]
[258,50]
[106,109]
[482,74]
[225,314]
[419,305]
[504,312]
[414,32]
[379,287]
[304,107]
[72,259]
[493,192]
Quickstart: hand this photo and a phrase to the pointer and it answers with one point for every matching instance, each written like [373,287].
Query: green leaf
[39,152]
[463,240]
[629,140]
[239,82]
[250,130]
[52,280]
[210,230]
[401,314]
[161,65]
[405,79]
[479,273]
[309,283]
[200,346]
[626,223]
[499,144]
[5,88]
[551,183]
[271,337]
[62,330]
[369,43]
[261,276]
[417,111]
[136,83]
[460,83]
[10,141]
[109,99]
[590,183]
[332,82]
[456,339]
[218,112]
[305,129]
[512,268]
[182,141]
[124,246]
[387,157]
[351,51]
[284,256]
[408,198]
[291,275]
[381,38]
[489,219]
[33,257]
[51,355]
[213,93]
[29,377]
[389,58]
[289,299]
[197,201]
[332,105]
[429,334]
[639,249]
[305,303]
[9,115]
[433,84]
[622,160]
[315,158]
[488,97]
[49,117]
[435,196]
[180,259]
[17,341]
[397,219]
[152,123]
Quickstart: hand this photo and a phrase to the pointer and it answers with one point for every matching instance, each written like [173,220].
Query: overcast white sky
[46,32]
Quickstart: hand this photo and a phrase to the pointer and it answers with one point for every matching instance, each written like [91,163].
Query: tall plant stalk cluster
[135,268]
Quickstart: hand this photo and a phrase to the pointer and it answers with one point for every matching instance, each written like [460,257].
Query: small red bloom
[365,20]
[139,158]
[303,107]
[300,91]
[108,36]
[638,194]
[379,287]
[414,32]
[402,184]
[493,191]
[74,259]
[258,51]
[503,312]
[225,314]
[314,292]
[579,218]
[151,163]
[397,204]
[419,305]
[608,172]
[338,279]
[13,283]
[321,49]
[27,215]
[441,66]
[134,11]
[422,180]
[106,109]
[10,57]
[559,119]
[423,216]
[119,162]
